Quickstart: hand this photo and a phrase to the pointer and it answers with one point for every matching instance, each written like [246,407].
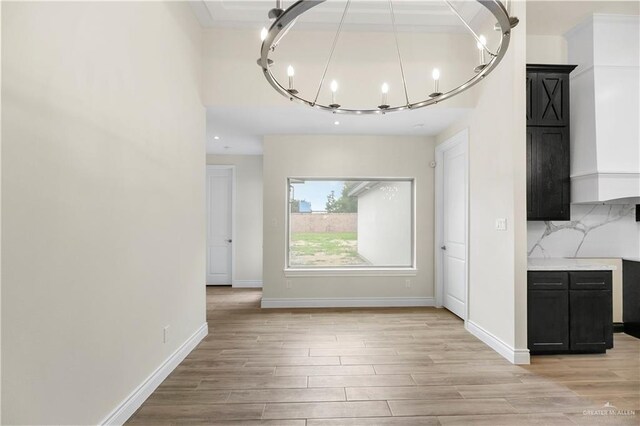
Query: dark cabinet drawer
[590,280]
[548,280]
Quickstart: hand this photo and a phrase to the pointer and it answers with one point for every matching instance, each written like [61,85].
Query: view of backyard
[349,223]
[324,249]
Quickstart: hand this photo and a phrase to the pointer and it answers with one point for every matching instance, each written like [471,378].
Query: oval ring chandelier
[286,19]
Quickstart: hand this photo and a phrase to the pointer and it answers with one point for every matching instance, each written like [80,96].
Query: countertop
[563,264]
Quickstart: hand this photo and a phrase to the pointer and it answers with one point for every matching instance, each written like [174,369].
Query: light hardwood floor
[404,366]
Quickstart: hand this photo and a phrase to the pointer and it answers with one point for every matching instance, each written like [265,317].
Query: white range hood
[605,110]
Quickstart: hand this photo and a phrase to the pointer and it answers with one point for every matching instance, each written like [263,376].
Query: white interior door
[219,225]
[454,227]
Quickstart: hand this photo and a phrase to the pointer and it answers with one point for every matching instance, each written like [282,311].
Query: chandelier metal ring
[287,19]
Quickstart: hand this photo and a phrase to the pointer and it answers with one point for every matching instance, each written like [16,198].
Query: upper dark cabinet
[548,185]
[548,95]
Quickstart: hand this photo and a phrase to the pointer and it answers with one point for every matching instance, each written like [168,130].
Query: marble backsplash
[594,231]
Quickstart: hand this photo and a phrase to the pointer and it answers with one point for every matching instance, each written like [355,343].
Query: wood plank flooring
[404,366]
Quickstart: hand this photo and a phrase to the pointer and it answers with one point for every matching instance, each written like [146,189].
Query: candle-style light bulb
[436,78]
[290,73]
[385,91]
[334,89]
[481,45]
[263,33]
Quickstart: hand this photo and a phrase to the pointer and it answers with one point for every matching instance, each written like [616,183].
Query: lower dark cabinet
[591,328]
[569,311]
[548,321]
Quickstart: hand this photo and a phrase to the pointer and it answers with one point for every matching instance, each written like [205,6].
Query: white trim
[231,167]
[622,174]
[514,356]
[461,137]
[351,272]
[131,403]
[334,302]
[247,284]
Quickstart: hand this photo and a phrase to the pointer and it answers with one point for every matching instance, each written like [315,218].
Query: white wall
[353,157]
[103,202]
[248,226]
[497,178]
[0,217]
[384,224]
[546,49]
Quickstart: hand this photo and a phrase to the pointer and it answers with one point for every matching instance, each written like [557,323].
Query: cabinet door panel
[531,98]
[548,320]
[590,319]
[551,159]
[532,194]
[552,106]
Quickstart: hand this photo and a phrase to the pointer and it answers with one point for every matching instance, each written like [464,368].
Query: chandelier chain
[333,48]
[395,34]
[473,33]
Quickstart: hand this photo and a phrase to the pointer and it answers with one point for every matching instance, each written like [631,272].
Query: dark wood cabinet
[631,296]
[549,92]
[548,185]
[548,166]
[569,311]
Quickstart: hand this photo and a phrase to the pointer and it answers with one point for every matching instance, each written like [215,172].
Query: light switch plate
[501,224]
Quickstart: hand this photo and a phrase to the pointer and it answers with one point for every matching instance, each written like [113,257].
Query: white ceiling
[418,15]
[241,129]
[552,17]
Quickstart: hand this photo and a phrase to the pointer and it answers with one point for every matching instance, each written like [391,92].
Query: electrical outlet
[501,224]
[289,284]
[407,283]
[165,334]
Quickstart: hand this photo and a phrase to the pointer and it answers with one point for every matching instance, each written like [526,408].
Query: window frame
[347,270]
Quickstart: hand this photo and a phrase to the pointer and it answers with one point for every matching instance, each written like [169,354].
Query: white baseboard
[247,284]
[514,356]
[131,403]
[334,302]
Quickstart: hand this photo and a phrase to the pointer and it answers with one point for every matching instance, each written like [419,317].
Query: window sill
[351,272]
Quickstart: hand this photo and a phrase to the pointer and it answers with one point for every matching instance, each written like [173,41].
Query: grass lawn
[325,249]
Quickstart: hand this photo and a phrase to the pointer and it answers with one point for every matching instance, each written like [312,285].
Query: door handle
[443,247]
[228,241]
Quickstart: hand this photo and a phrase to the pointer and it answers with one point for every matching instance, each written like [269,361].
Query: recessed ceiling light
[227,147]
[336,122]
[217,138]
[418,126]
